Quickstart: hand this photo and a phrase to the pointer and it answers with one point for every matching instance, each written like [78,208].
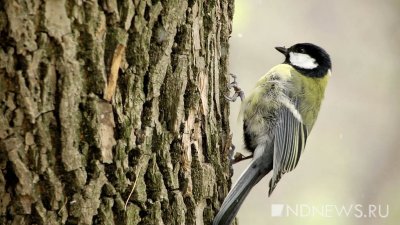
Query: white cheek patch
[302,60]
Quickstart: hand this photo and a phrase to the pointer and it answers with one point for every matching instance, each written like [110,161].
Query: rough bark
[68,155]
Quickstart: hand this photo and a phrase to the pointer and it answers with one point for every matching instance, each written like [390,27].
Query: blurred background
[353,153]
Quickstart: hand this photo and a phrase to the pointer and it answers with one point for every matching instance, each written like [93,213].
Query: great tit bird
[277,119]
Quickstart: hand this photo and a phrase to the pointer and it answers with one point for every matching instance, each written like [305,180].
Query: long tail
[260,166]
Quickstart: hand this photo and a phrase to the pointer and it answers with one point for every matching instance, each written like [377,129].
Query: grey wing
[289,142]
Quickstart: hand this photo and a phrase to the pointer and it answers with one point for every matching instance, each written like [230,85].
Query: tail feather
[260,166]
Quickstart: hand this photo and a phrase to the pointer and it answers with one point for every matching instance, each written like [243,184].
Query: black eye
[302,50]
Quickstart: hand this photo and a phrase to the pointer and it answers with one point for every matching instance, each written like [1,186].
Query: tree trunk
[112,112]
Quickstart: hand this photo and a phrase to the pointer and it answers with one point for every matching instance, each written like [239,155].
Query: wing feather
[289,142]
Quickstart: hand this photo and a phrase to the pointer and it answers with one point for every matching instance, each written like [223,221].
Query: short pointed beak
[282,50]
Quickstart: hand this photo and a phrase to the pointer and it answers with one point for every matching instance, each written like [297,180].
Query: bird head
[309,59]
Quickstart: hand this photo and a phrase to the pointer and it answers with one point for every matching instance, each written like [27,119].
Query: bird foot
[238,91]
[237,157]
[240,157]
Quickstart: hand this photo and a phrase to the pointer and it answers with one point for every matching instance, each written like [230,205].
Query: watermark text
[330,210]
